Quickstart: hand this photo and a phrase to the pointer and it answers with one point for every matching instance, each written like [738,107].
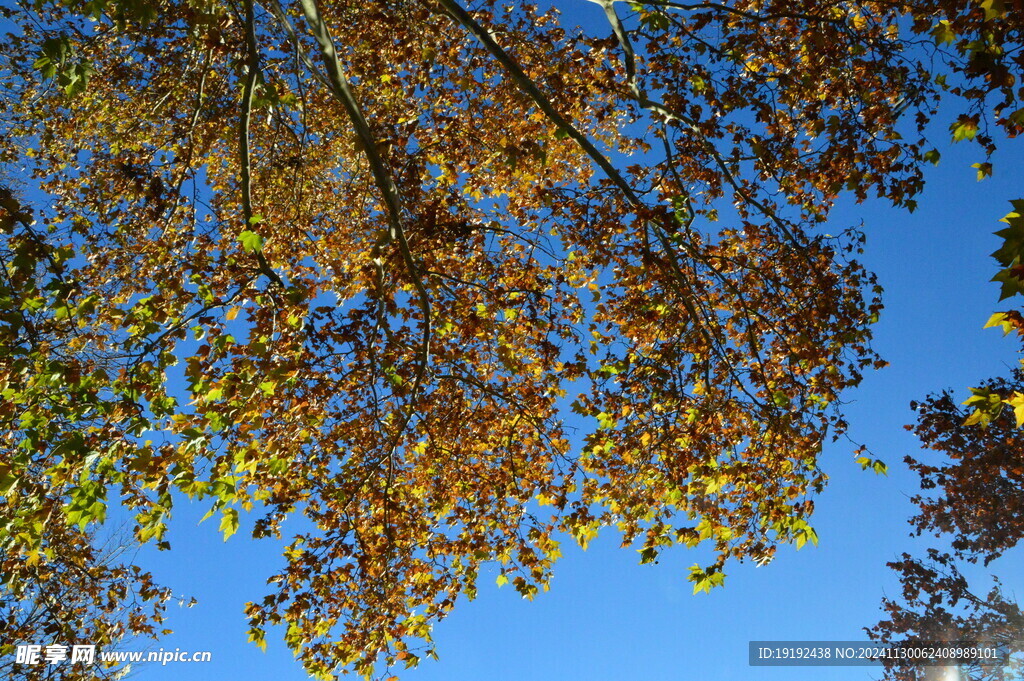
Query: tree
[78,595]
[358,262]
[57,580]
[979,511]
[976,467]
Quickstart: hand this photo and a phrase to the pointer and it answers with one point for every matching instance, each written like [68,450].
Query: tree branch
[385,184]
[656,107]
[461,16]
[252,69]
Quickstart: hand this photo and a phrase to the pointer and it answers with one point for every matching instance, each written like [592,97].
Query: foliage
[75,593]
[59,401]
[357,263]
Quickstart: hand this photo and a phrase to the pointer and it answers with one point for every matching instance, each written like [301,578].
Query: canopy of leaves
[358,262]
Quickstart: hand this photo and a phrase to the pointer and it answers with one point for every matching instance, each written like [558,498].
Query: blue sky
[607,617]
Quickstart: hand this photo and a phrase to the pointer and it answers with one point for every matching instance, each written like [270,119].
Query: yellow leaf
[1017,402]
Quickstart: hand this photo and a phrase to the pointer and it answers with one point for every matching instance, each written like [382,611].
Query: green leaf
[1013,236]
[251,241]
[803,535]
[7,482]
[1016,401]
[655,20]
[209,514]
[994,9]
[1002,320]
[987,406]
[45,66]
[1011,280]
[965,128]
[943,33]
[705,580]
[229,522]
